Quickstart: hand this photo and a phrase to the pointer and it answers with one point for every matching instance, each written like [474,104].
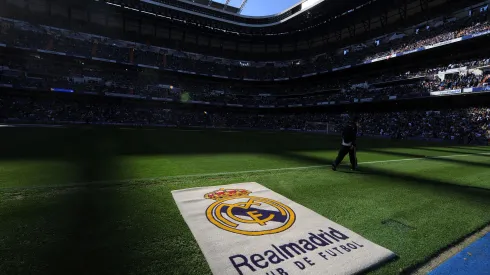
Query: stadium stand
[471,123]
[25,35]
[44,74]
[169,79]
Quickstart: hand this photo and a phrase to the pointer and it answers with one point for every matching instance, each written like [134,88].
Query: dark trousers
[344,150]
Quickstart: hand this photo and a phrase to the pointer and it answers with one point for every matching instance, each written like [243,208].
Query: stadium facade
[316,57]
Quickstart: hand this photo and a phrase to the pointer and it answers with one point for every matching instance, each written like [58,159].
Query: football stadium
[240,137]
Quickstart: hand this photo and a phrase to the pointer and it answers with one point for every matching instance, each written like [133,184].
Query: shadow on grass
[68,231]
[448,150]
[395,177]
[433,159]
[33,143]
[473,148]
[95,229]
[81,239]
[80,230]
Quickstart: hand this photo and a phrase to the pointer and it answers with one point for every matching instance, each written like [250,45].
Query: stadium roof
[227,18]
[223,11]
[255,7]
[313,20]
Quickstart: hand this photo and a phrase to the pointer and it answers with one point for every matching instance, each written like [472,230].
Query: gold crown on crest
[222,194]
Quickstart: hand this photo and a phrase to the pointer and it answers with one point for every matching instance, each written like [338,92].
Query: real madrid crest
[235,211]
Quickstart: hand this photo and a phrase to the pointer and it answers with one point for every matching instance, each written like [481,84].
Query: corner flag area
[98,200]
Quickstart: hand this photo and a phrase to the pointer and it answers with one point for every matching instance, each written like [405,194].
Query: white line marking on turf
[189,130]
[269,170]
[228,173]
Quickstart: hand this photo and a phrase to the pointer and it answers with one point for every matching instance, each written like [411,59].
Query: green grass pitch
[97,200]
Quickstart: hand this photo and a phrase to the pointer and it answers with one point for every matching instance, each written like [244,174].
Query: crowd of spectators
[39,73]
[436,124]
[457,82]
[430,36]
[36,71]
[26,35]
[443,124]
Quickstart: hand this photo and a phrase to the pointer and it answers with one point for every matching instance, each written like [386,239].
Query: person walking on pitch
[349,146]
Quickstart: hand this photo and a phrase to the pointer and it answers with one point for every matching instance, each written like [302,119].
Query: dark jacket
[349,134]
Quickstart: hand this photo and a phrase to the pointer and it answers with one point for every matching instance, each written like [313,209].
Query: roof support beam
[226,4]
[242,6]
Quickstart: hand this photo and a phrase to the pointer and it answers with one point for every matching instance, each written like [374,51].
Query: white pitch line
[225,173]
[436,157]
[189,130]
[236,172]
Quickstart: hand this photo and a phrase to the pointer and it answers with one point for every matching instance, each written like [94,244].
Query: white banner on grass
[247,228]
